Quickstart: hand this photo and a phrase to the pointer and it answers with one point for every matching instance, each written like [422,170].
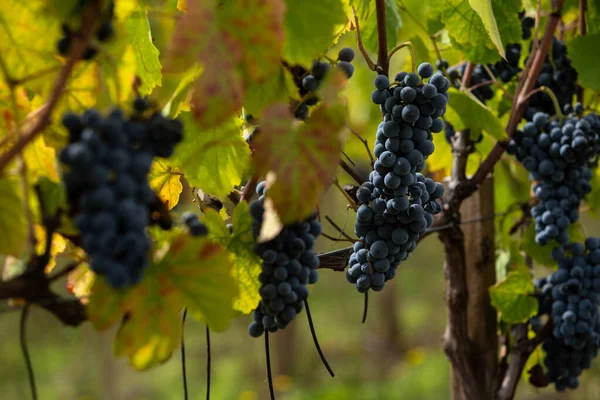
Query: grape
[382,82]
[398,203]
[310,83]
[347,68]
[346,54]
[425,70]
[562,176]
[114,200]
[289,264]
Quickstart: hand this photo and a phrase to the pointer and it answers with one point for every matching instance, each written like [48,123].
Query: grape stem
[412,53]
[552,96]
[383,60]
[361,46]
[352,204]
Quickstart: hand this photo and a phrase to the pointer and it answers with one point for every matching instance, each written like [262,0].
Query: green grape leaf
[584,53]
[279,86]
[512,298]
[195,273]
[441,159]
[466,112]
[368,25]
[166,182]
[246,265]
[310,28]
[13,226]
[467,30]
[484,9]
[255,28]
[303,156]
[148,67]
[212,159]
[53,195]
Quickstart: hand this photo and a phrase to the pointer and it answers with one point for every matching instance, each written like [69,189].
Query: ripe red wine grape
[106,163]
[398,202]
[289,264]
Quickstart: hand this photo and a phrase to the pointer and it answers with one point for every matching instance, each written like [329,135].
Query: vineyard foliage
[228,70]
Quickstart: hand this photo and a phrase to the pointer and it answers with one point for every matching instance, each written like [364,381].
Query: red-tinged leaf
[256,29]
[218,93]
[106,305]
[303,156]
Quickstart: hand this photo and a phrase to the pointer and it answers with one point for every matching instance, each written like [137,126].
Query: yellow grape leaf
[195,273]
[124,8]
[303,156]
[41,160]
[212,159]
[80,282]
[13,226]
[166,182]
[182,5]
[246,264]
[59,244]
[441,159]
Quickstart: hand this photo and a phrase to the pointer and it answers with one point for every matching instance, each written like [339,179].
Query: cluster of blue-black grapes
[398,203]
[557,155]
[289,264]
[570,297]
[311,80]
[104,32]
[559,76]
[106,177]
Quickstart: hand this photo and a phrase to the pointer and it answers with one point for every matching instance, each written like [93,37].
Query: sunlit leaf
[166,182]
[148,66]
[246,264]
[212,159]
[367,18]
[80,282]
[465,111]
[59,244]
[486,12]
[513,298]
[41,160]
[583,50]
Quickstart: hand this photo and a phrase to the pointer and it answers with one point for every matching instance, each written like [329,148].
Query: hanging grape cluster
[309,82]
[107,162]
[398,203]
[557,155]
[570,297]
[104,33]
[289,264]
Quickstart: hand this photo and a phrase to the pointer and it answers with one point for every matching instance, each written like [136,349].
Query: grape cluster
[104,33]
[571,297]
[559,76]
[398,203]
[196,227]
[311,80]
[557,155]
[289,264]
[108,160]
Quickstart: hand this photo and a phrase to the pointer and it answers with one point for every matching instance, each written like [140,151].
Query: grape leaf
[540,254]
[583,51]
[213,101]
[484,9]
[466,112]
[304,157]
[246,265]
[80,282]
[59,244]
[512,298]
[254,28]
[368,25]
[310,27]
[212,159]
[166,182]
[279,86]
[41,160]
[182,5]
[441,159]
[468,33]
[148,67]
[195,273]
[13,227]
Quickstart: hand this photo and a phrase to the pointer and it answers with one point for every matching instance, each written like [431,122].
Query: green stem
[412,53]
